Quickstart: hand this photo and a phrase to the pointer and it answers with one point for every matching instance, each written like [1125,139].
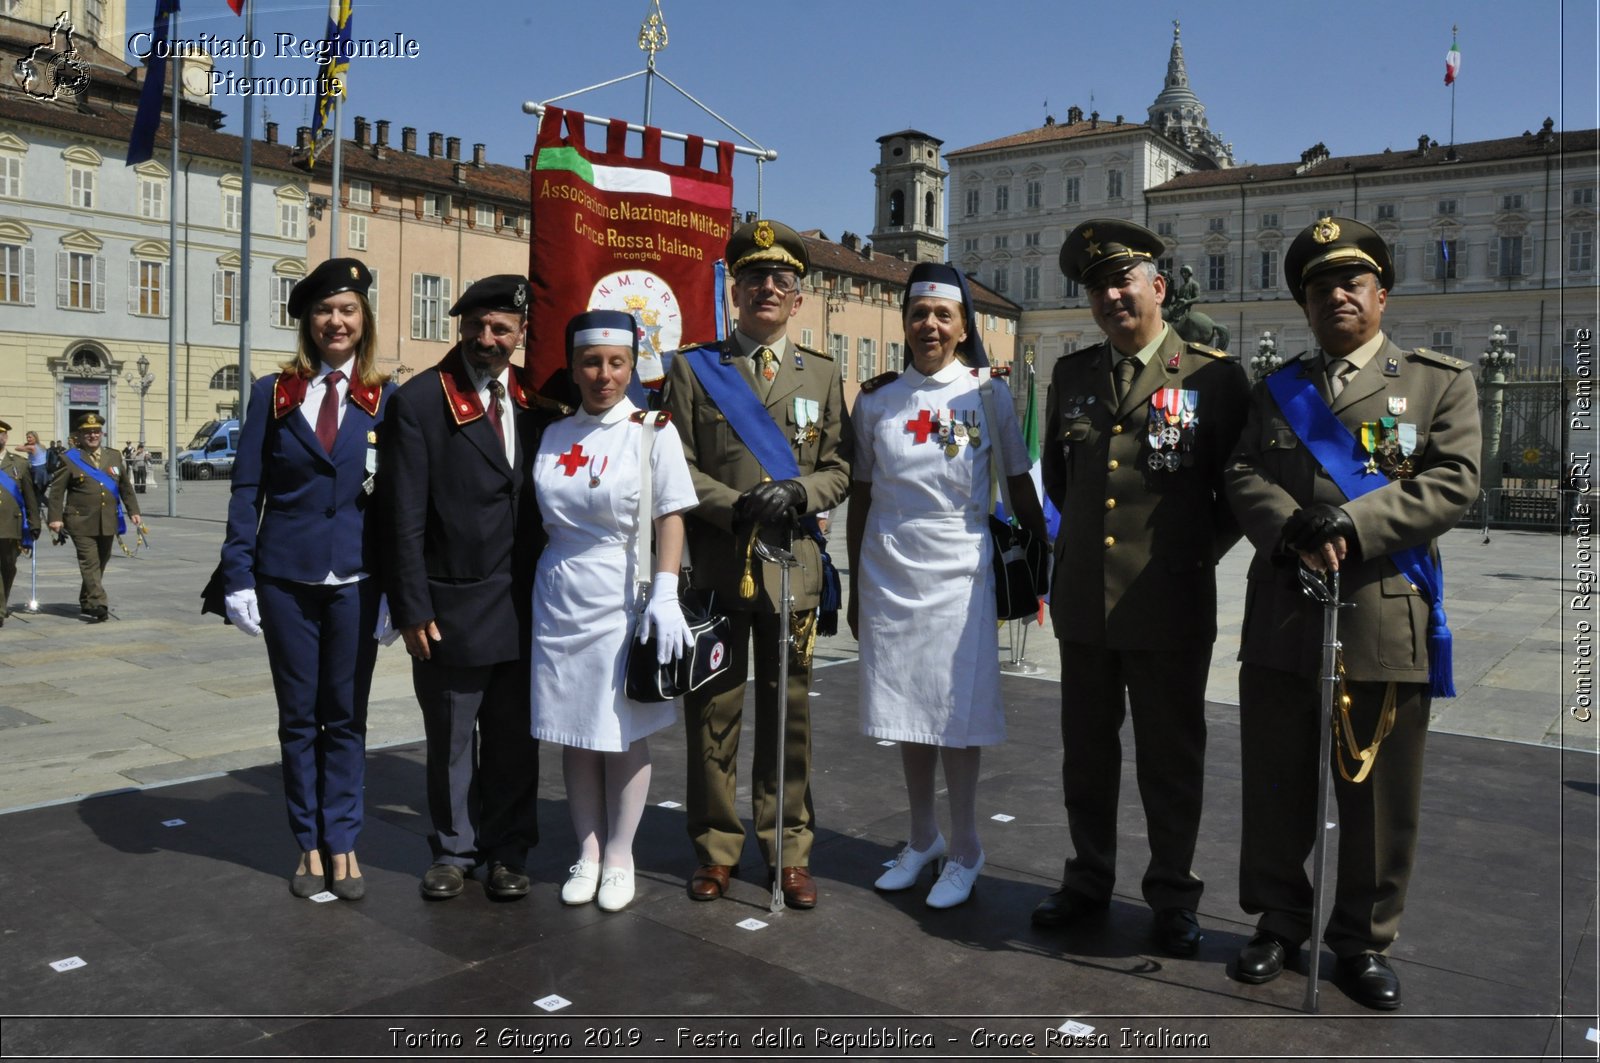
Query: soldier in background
[19,515]
[89,493]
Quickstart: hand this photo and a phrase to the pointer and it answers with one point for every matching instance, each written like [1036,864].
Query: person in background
[89,495]
[460,539]
[586,600]
[19,515]
[39,468]
[300,559]
[919,547]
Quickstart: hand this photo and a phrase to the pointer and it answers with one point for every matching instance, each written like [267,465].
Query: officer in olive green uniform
[88,511]
[800,390]
[1138,430]
[17,502]
[1413,415]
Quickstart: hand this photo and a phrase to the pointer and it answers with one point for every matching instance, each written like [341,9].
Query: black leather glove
[1308,529]
[771,502]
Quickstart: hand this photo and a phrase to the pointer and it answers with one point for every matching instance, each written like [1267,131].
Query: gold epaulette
[1446,360]
[813,350]
[880,380]
[1201,348]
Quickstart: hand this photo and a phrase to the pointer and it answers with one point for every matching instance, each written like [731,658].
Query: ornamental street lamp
[1495,363]
[1265,361]
[142,382]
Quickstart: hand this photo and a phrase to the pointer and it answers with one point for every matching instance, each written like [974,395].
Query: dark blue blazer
[460,533]
[296,512]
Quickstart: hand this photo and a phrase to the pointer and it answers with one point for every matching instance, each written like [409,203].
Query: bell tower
[908,210]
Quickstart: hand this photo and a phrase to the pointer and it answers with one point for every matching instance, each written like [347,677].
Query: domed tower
[908,212]
[1179,115]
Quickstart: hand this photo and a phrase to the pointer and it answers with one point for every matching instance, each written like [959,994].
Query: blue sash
[760,433]
[104,481]
[14,489]
[1338,452]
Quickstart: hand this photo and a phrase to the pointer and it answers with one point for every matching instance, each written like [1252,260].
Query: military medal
[1369,443]
[595,474]
[806,412]
[1157,461]
[1173,460]
[961,439]
[769,364]
[973,423]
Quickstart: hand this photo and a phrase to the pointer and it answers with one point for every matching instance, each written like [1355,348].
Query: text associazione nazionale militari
[144,45]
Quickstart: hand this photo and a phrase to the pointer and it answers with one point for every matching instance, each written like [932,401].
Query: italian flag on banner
[619,231]
[1452,63]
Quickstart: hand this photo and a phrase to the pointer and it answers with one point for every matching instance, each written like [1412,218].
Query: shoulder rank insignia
[1448,361]
[662,417]
[814,351]
[994,371]
[1201,348]
[880,380]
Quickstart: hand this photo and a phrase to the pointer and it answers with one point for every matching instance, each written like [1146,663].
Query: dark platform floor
[192,945]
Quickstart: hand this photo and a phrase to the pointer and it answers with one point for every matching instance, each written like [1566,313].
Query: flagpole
[338,165]
[244,228]
[172,288]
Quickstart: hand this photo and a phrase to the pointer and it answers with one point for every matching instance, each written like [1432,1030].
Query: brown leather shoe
[710,881]
[799,889]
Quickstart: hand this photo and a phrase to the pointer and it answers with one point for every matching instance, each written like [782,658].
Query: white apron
[585,593]
[930,654]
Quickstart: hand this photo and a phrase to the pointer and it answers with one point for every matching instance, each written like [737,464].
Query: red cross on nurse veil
[572,460]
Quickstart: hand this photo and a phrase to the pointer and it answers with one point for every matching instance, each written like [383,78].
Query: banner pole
[765,154]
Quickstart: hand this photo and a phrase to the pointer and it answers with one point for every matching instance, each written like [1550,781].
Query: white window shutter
[217,282]
[1430,260]
[1527,255]
[133,285]
[99,282]
[416,307]
[27,276]
[63,265]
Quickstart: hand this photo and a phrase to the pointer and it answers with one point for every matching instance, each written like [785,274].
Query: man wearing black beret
[1354,459]
[459,544]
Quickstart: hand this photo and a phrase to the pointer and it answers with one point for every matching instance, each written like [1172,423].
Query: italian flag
[1452,63]
[636,180]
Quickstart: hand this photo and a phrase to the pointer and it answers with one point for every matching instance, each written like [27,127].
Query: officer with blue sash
[1355,457]
[763,426]
[19,515]
[89,495]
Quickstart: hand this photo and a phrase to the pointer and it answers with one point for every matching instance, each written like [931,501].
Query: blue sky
[820,81]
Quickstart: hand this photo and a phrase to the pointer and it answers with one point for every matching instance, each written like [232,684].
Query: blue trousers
[321,649]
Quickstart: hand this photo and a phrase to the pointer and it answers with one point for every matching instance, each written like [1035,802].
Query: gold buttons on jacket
[1111,540]
[1111,503]
[1116,429]
[1112,465]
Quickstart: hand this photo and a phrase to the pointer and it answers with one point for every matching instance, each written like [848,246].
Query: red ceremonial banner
[613,232]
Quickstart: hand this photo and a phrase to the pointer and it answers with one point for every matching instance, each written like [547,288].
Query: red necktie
[497,391]
[328,415]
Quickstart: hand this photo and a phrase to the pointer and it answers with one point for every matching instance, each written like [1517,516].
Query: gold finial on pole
[653,32]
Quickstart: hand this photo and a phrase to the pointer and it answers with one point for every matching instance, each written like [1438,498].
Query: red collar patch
[290,391]
[462,398]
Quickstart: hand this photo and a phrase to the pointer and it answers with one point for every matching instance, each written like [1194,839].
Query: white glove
[241,609]
[386,632]
[664,616]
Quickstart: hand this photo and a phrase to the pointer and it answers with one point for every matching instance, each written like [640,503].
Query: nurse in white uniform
[922,603]
[585,598]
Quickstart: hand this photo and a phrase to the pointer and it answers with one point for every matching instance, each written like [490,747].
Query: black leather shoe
[1176,931]
[1065,907]
[1263,959]
[443,881]
[505,882]
[1369,981]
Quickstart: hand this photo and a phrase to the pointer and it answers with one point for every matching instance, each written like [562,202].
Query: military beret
[1099,245]
[503,291]
[766,243]
[594,328]
[332,277]
[1331,243]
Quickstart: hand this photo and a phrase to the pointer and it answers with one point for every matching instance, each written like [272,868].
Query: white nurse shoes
[583,879]
[908,865]
[616,889]
[955,885]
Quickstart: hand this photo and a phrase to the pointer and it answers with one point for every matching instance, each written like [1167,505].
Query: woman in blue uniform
[298,561]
